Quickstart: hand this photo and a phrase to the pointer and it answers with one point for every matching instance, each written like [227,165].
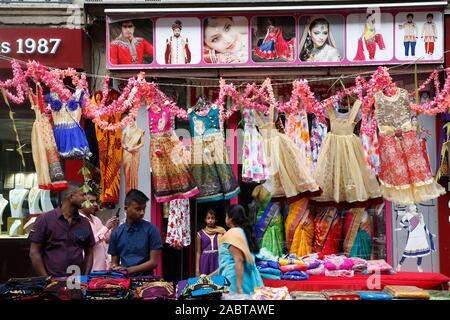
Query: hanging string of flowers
[253,97]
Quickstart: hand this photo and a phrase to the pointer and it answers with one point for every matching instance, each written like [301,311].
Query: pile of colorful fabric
[108,285]
[23,288]
[293,268]
[267,293]
[378,266]
[374,295]
[269,269]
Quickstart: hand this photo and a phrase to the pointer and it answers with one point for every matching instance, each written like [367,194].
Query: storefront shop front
[324,124]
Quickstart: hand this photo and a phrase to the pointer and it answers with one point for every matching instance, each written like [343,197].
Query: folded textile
[294,267]
[359,264]
[236,296]
[156,290]
[267,264]
[23,288]
[334,262]
[114,288]
[404,292]
[303,276]
[270,276]
[337,294]
[265,255]
[439,294]
[276,272]
[307,295]
[267,293]
[374,295]
[378,266]
[313,264]
[140,281]
[58,289]
[203,287]
[320,270]
[108,274]
[339,273]
[290,261]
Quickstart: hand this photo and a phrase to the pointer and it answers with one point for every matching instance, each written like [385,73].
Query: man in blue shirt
[136,244]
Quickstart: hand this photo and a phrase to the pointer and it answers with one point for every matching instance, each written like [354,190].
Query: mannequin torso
[34,197]
[46,202]
[3,204]
[16,197]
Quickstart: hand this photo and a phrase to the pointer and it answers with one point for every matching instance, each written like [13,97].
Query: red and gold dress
[405,176]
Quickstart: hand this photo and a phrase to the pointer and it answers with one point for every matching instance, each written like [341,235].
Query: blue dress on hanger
[69,135]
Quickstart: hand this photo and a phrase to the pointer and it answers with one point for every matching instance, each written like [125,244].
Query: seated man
[136,244]
[60,237]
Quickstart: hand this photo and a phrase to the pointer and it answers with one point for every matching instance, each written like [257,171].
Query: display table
[424,280]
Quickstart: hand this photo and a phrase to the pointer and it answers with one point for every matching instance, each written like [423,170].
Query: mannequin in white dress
[46,202]
[3,204]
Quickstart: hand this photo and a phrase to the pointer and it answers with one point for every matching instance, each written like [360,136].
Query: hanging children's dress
[46,159]
[171,178]
[318,133]
[289,177]
[298,131]
[179,224]
[69,135]
[342,171]
[254,168]
[405,176]
[210,164]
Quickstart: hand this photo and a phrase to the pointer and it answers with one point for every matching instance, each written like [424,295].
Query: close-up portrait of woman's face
[222,35]
[319,34]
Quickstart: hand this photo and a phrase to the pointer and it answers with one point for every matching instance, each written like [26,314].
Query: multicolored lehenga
[50,174]
[171,178]
[405,175]
[69,135]
[210,165]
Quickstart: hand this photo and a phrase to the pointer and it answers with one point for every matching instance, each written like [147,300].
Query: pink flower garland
[18,82]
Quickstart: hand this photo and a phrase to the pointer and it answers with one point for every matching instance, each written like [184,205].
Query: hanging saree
[269,227]
[110,154]
[327,231]
[299,228]
[358,234]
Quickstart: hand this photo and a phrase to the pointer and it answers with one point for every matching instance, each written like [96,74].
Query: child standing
[207,241]
[410,36]
[429,34]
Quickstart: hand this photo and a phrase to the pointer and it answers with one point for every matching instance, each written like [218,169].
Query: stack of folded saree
[23,288]
[374,295]
[307,295]
[108,285]
[406,292]
[378,266]
[269,269]
[293,268]
[338,294]
[64,289]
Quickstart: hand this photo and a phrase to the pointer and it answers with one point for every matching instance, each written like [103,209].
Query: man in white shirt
[429,34]
[177,47]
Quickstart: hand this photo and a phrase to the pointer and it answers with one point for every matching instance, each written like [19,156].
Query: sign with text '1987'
[53,47]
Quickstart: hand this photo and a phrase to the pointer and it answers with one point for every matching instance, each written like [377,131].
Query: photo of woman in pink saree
[274,45]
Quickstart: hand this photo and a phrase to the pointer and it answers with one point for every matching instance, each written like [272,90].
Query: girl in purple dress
[207,241]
